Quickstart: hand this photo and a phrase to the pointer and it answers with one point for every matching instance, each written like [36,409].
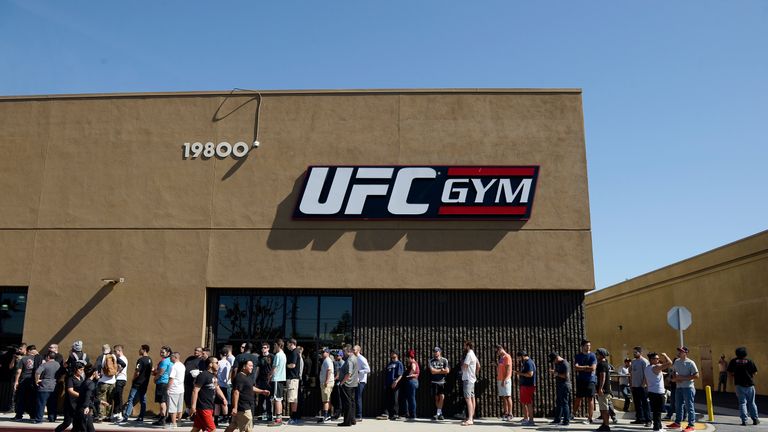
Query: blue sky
[675,92]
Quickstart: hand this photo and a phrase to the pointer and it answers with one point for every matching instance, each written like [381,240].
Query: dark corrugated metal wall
[536,321]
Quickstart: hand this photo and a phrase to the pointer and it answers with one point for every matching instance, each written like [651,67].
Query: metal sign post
[679,318]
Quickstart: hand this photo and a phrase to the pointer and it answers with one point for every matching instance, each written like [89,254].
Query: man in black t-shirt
[26,390]
[292,377]
[743,371]
[205,391]
[261,375]
[604,396]
[138,392]
[243,399]
[72,386]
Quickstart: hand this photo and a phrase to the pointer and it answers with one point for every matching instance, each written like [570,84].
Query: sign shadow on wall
[78,316]
[430,236]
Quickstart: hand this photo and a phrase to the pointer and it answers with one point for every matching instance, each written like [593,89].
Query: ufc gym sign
[417,192]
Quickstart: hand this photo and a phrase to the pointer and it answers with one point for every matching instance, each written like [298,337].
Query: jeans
[410,397]
[264,405]
[684,395]
[626,393]
[25,397]
[69,415]
[563,403]
[53,402]
[348,404]
[746,397]
[722,382]
[657,406]
[391,399]
[642,410]
[42,401]
[359,398]
[136,395]
[117,395]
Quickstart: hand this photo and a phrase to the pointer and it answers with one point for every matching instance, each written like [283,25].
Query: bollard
[710,410]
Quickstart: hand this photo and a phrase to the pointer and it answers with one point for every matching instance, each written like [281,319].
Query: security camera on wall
[113,281]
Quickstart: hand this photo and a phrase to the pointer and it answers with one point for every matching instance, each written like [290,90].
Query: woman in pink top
[411,384]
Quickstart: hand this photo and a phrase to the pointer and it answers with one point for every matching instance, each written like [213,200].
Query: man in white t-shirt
[326,384]
[120,381]
[363,371]
[470,367]
[176,388]
[220,412]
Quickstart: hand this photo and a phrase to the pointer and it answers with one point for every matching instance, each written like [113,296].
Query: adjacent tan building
[726,291]
[98,187]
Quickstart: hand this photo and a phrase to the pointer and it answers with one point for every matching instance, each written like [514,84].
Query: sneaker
[614,420]
[690,428]
[441,418]
[604,428]
[434,418]
[755,421]
[743,422]
[292,422]
[647,424]
[278,422]
[139,419]
[674,425]
[554,422]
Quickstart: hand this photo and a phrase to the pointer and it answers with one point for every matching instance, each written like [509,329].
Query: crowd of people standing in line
[234,390]
[650,380]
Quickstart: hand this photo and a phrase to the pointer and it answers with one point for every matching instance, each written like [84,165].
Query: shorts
[204,420]
[585,389]
[526,394]
[437,388]
[604,401]
[243,421]
[278,390]
[504,387]
[468,388]
[161,393]
[292,390]
[325,393]
[176,403]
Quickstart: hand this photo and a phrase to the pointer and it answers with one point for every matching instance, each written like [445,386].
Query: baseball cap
[437,349]
[603,352]
[326,349]
[683,349]
[522,353]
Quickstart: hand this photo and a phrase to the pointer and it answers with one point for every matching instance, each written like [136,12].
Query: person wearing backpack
[75,356]
[107,366]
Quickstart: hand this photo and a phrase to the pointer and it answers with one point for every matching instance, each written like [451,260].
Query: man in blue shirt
[585,364]
[527,374]
[394,373]
[162,374]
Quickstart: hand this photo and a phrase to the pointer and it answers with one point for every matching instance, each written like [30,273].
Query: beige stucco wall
[96,186]
[726,291]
